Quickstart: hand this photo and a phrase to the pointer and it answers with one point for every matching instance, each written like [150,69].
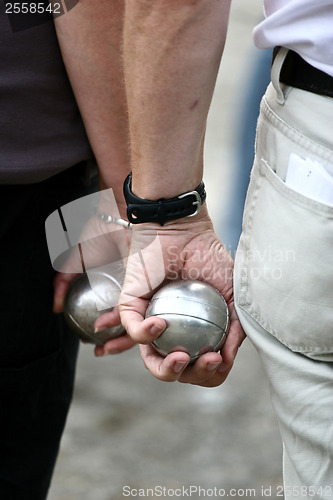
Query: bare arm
[90,37]
[172,52]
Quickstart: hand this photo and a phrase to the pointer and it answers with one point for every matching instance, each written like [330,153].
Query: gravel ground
[129,435]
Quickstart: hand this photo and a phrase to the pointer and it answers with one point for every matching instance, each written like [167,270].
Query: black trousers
[37,351]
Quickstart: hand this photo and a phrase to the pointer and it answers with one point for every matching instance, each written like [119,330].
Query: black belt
[298,73]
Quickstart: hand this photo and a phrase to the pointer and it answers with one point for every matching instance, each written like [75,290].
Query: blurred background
[126,429]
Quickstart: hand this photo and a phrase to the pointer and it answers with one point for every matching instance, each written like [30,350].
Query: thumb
[141,330]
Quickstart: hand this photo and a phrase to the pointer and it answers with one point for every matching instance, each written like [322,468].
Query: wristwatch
[140,210]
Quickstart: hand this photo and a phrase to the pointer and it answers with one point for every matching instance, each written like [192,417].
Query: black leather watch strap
[140,210]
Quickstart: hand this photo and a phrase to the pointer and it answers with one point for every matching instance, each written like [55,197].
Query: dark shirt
[41,130]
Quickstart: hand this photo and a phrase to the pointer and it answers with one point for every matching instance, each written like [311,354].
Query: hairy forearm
[90,37]
[172,52]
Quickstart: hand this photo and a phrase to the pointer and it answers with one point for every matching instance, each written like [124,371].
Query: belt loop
[275,73]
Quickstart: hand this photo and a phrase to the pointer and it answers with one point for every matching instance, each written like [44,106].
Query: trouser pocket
[284,264]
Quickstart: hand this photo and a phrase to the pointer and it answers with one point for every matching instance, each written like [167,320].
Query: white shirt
[305,26]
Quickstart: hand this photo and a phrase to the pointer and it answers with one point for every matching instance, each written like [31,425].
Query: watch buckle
[197,202]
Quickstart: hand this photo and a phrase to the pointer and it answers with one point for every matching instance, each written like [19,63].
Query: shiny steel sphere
[197,318]
[80,307]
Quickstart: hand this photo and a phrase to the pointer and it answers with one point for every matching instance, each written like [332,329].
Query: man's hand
[102,246]
[185,249]
[172,52]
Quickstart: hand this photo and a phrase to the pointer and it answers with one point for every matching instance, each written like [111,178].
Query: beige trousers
[284,283]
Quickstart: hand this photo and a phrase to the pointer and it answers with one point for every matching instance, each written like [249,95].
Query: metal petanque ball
[197,318]
[80,309]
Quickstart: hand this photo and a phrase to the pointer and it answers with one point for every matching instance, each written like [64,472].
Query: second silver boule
[80,307]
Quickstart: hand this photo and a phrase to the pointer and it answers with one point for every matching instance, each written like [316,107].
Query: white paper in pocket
[310,179]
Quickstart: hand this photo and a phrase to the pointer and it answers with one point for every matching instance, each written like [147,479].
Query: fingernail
[223,368]
[99,354]
[114,351]
[212,366]
[179,366]
[155,329]
[99,329]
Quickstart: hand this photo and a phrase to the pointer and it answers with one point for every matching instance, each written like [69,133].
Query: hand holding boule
[196,315]
[191,250]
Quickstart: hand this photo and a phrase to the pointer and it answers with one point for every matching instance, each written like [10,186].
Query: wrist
[192,226]
[162,210]
[111,201]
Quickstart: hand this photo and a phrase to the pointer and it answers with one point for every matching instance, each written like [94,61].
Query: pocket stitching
[294,347]
[262,172]
[290,132]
